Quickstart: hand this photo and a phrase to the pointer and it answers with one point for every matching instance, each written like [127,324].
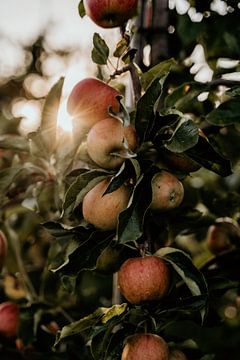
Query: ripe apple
[177,355]
[108,137]
[110,13]
[9,319]
[143,279]
[89,102]
[102,211]
[219,236]
[167,191]
[3,249]
[145,347]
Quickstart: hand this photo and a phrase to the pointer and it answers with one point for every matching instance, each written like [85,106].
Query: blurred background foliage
[203,86]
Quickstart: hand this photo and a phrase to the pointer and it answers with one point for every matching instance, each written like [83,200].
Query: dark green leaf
[227,113]
[100,51]
[183,265]
[184,95]
[81,9]
[204,154]
[80,187]
[234,91]
[158,71]
[131,220]
[184,137]
[7,177]
[128,57]
[49,116]
[147,107]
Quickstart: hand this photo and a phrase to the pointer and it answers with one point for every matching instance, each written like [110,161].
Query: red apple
[3,249]
[145,347]
[110,13]
[89,102]
[9,319]
[103,211]
[167,191]
[220,234]
[107,138]
[143,279]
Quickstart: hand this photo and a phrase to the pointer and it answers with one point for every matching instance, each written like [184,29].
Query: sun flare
[64,120]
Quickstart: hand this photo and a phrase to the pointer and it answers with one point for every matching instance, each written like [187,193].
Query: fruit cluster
[94,107]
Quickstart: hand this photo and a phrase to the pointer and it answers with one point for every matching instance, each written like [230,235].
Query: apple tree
[121,240]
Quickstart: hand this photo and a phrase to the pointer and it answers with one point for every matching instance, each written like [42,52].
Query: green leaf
[121,47]
[184,95]
[129,56]
[80,187]
[49,116]
[234,91]
[204,153]
[184,137]
[227,113]
[183,265]
[14,142]
[100,51]
[7,177]
[81,9]
[101,316]
[75,249]
[37,145]
[158,71]
[123,113]
[147,107]
[129,169]
[131,220]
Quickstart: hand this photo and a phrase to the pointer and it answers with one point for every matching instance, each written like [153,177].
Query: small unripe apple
[145,347]
[143,279]
[110,13]
[3,249]
[108,137]
[219,236]
[167,191]
[88,103]
[9,319]
[103,211]
[177,355]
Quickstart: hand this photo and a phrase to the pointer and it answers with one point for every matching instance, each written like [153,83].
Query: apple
[167,191]
[102,211]
[143,279]
[89,102]
[220,235]
[145,347]
[3,249]
[9,319]
[177,355]
[108,137]
[110,13]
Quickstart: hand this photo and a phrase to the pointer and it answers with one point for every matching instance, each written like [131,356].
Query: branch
[225,82]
